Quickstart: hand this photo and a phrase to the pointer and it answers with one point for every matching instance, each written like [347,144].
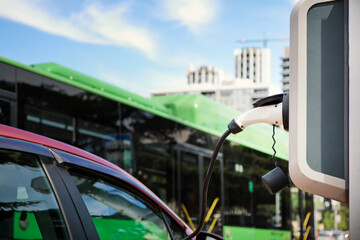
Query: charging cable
[206,184]
[267,113]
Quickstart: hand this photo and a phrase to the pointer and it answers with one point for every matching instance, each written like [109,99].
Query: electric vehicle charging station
[319,98]
[324,95]
[323,107]
[323,111]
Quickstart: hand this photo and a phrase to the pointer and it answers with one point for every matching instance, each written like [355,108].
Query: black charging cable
[232,128]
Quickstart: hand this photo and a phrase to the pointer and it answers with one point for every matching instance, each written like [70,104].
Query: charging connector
[271,114]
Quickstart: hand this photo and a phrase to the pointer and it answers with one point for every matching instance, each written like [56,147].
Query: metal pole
[222,190]
[315,220]
[201,180]
[301,213]
[252,208]
[178,179]
[335,222]
[309,208]
[277,209]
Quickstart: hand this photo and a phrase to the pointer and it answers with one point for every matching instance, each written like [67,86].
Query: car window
[28,208]
[118,213]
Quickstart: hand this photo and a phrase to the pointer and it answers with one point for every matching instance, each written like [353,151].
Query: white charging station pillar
[354,118]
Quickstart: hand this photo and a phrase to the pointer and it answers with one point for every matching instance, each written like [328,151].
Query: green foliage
[328,219]
[344,213]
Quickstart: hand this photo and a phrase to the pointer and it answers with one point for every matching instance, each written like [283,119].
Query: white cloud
[194,14]
[95,24]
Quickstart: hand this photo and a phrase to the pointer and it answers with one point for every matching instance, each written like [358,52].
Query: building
[204,76]
[285,65]
[253,64]
[237,93]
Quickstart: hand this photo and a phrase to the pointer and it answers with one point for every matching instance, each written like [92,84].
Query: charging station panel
[318,108]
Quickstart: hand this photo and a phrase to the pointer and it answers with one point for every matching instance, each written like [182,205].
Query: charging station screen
[326,89]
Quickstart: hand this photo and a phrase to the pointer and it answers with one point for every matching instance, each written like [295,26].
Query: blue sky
[141,45]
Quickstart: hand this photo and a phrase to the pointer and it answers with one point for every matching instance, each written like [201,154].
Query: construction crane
[264,40]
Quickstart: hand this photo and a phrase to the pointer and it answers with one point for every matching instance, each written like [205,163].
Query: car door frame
[69,205]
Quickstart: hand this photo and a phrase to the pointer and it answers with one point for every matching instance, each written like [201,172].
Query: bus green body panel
[238,233]
[127,229]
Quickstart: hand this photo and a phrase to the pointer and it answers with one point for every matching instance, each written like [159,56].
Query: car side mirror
[208,236]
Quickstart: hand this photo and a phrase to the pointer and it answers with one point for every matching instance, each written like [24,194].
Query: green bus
[166,142]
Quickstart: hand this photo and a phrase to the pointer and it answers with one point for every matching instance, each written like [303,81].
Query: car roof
[15,133]
[11,132]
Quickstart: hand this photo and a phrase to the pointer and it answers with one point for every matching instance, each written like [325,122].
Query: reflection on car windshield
[122,194]
[118,213]
[28,209]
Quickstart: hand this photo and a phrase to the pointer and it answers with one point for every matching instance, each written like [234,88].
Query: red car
[51,190]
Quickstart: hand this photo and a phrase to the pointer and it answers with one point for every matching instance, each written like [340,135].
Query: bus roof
[204,114]
[196,111]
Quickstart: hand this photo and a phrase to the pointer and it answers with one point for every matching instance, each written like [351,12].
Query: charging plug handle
[276,99]
[271,114]
[273,110]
